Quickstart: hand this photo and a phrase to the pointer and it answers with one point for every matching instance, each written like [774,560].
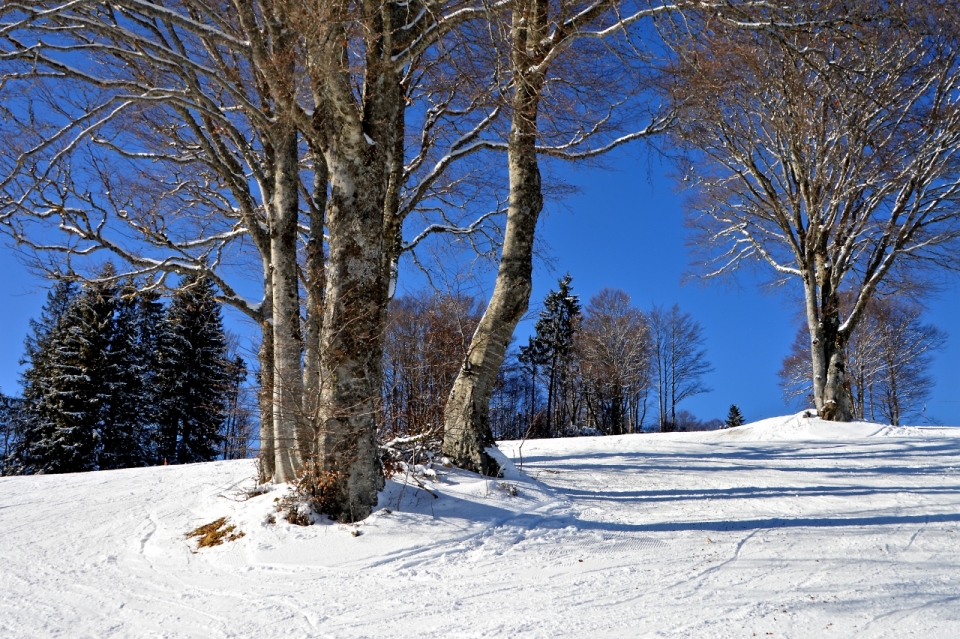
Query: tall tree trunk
[363,242]
[548,430]
[466,418]
[533,397]
[818,358]
[315,283]
[673,378]
[352,342]
[833,396]
[894,395]
[268,464]
[837,396]
[661,385]
[287,339]
[362,143]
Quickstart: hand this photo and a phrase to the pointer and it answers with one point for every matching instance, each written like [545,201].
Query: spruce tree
[554,332]
[68,387]
[734,417]
[123,434]
[191,377]
[11,431]
[150,327]
[20,458]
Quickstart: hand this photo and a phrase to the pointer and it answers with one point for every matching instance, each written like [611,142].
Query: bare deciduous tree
[824,143]
[427,336]
[888,355]
[567,76]
[238,423]
[614,350]
[619,356]
[236,101]
[680,362]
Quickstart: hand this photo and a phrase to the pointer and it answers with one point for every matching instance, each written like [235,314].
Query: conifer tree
[150,325]
[20,456]
[191,379]
[69,385]
[11,431]
[58,300]
[734,417]
[123,434]
[554,337]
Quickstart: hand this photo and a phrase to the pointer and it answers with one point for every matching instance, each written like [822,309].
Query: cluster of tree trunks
[239,101]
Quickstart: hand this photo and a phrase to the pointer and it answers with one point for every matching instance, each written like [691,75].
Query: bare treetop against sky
[316,147]
[622,229]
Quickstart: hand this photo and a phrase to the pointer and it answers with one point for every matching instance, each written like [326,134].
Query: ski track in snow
[783,528]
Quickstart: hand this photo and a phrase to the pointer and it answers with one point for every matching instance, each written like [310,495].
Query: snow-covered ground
[783,528]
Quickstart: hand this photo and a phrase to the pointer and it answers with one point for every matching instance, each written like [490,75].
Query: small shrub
[508,488]
[391,466]
[319,489]
[316,491]
[296,516]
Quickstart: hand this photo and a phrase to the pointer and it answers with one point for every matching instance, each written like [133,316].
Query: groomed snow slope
[783,528]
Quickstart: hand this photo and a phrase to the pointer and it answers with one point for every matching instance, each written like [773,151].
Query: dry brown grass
[215,533]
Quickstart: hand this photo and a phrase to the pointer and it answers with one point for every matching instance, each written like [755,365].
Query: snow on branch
[452,229]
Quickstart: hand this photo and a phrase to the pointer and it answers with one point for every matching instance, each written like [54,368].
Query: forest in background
[116,378]
[251,141]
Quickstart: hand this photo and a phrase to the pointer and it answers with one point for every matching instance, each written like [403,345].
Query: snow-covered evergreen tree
[115,380]
[11,427]
[37,346]
[123,433]
[68,387]
[191,377]
[150,326]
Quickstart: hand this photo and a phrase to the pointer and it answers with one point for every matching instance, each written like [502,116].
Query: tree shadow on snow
[771,523]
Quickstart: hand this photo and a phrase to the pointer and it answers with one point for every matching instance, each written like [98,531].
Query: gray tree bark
[359,143]
[831,387]
[351,343]
[265,398]
[287,340]
[313,323]
[467,415]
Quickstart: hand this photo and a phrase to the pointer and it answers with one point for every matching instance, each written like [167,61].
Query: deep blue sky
[622,230]
[625,230]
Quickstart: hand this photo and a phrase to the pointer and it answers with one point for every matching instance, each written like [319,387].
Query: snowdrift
[807,426]
[802,426]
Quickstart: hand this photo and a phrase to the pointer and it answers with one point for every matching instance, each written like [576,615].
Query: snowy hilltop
[787,527]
